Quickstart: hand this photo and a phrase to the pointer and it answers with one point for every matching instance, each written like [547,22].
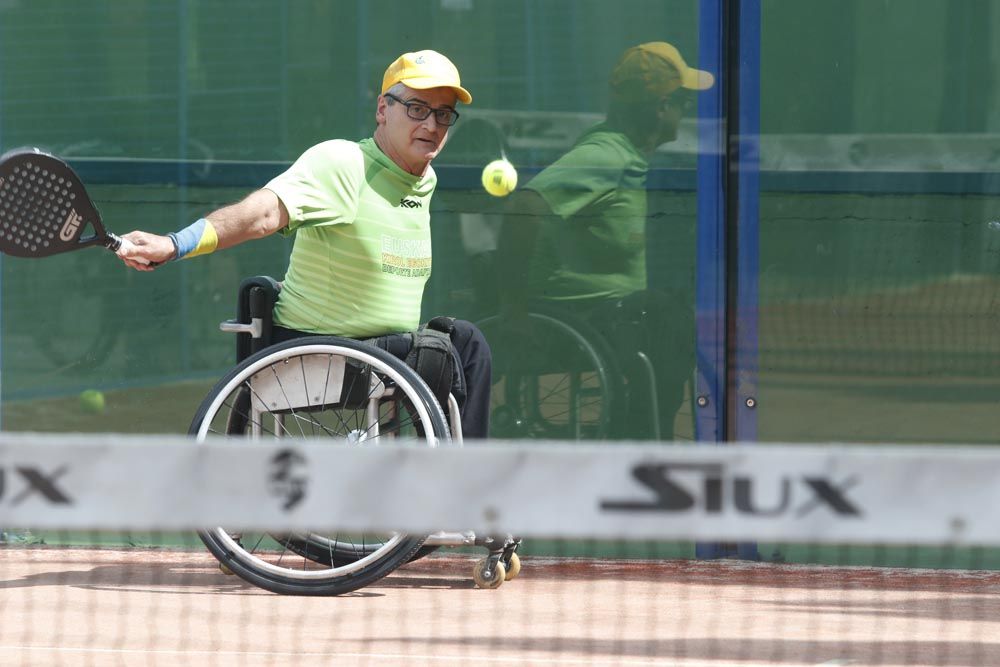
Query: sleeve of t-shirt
[577,179]
[323,185]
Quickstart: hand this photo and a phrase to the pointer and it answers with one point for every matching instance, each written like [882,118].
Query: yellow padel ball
[499,178]
[92,401]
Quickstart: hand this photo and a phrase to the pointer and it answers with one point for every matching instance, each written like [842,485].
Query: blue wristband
[198,238]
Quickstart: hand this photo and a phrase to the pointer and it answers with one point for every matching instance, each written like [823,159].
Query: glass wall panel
[879,158]
[583,278]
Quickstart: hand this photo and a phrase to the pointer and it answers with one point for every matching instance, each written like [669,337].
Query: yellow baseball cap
[657,67]
[425,69]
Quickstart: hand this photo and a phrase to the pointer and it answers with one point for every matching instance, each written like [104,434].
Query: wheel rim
[309,570]
[421,416]
[291,557]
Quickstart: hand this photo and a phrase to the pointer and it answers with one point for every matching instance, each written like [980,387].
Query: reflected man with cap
[583,220]
[360,215]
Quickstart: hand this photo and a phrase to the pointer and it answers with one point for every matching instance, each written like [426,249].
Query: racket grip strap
[198,238]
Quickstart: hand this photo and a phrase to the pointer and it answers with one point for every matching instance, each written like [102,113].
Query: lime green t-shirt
[362,250]
[594,248]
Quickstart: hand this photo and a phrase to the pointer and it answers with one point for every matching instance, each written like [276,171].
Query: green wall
[878,154]
[878,227]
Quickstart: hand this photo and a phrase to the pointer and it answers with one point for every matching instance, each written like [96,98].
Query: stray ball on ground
[499,178]
[92,401]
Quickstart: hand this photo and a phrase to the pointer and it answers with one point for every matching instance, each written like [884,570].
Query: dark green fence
[879,226]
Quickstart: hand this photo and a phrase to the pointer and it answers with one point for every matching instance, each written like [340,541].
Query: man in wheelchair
[578,250]
[360,215]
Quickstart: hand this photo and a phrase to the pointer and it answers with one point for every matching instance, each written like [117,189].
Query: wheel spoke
[307,561]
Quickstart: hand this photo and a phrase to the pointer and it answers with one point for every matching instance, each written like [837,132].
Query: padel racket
[45,208]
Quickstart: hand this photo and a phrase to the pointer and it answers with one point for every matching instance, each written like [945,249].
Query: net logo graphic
[18,483]
[71,226]
[288,480]
[705,487]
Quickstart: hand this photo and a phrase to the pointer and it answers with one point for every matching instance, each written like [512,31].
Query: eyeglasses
[681,102]
[420,111]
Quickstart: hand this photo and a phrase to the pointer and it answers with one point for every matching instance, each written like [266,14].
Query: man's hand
[144,252]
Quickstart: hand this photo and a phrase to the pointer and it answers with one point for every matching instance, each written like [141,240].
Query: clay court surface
[157,607]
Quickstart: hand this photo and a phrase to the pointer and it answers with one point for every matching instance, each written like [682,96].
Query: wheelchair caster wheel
[489,579]
[513,567]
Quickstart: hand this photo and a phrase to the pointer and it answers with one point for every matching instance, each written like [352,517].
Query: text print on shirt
[404,257]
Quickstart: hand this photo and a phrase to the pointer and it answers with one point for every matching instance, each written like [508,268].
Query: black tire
[306,563]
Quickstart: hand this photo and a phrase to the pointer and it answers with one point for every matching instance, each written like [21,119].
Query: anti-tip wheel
[513,567]
[479,574]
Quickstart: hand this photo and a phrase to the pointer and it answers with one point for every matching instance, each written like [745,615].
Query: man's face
[412,144]
[674,107]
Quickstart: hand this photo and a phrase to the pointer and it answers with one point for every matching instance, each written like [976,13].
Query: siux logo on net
[682,487]
[19,483]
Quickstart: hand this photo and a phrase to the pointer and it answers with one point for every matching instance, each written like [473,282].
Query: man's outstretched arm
[260,214]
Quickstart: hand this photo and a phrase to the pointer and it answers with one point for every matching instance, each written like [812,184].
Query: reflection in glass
[586,347]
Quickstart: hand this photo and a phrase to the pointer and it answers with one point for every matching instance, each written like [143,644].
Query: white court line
[611,660]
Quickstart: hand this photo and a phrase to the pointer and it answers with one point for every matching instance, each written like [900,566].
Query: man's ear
[380,110]
[663,107]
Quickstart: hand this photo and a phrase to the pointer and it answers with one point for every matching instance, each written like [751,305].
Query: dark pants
[474,356]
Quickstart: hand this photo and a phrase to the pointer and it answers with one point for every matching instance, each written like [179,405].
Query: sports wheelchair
[355,394]
[557,376]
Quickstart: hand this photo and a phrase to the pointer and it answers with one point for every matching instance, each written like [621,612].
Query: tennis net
[852,555]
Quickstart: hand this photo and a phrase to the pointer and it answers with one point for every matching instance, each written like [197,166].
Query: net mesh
[632,592]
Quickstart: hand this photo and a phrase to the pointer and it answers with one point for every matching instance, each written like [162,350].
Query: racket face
[44,207]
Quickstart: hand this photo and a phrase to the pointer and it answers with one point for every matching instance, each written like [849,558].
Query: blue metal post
[744,414]
[748,218]
[710,286]
[728,165]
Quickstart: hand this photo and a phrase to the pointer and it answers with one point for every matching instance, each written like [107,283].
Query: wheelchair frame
[340,388]
[585,397]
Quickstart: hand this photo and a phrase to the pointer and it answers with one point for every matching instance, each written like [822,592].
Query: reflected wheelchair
[355,394]
[556,376]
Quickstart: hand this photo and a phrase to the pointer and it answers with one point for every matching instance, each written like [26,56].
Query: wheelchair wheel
[347,391]
[552,381]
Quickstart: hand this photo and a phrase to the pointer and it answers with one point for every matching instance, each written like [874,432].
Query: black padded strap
[442,324]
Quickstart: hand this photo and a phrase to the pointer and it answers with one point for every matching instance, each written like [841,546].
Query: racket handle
[114,242]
